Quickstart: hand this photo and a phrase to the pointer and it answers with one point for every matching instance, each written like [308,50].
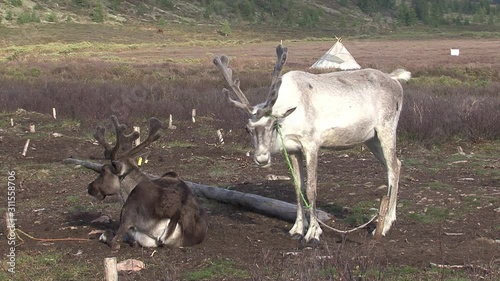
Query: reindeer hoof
[133,244]
[115,246]
[297,236]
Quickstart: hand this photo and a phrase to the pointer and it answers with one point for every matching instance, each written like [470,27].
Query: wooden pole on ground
[26,145]
[54,113]
[110,270]
[256,203]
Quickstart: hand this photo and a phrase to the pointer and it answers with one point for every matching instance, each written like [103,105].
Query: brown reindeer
[156,212]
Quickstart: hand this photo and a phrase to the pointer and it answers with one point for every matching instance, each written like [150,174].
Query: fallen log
[255,203]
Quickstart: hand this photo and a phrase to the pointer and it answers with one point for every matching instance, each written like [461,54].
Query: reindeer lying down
[156,212]
[161,212]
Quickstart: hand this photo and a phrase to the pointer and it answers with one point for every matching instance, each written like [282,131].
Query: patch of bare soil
[446,211]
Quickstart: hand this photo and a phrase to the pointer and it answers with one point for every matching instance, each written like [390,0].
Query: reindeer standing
[156,212]
[336,110]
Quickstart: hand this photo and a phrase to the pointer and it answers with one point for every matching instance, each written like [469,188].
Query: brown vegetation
[444,99]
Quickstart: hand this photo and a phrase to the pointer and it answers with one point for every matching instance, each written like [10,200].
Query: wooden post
[110,270]
[54,112]
[170,126]
[384,205]
[8,223]
[12,122]
[32,128]
[25,150]
[193,115]
[138,140]
[219,134]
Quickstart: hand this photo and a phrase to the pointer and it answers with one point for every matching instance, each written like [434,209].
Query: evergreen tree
[98,14]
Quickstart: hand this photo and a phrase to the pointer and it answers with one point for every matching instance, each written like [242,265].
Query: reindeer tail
[400,75]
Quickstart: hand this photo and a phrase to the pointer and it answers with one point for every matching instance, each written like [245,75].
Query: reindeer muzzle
[263,160]
[95,192]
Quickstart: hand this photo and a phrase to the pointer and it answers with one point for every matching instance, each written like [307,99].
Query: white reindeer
[335,110]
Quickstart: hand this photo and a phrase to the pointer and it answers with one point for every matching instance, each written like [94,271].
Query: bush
[225,29]
[16,3]
[9,15]
[52,17]
[440,113]
[98,14]
[141,9]
[115,5]
[26,17]
[165,4]
[81,3]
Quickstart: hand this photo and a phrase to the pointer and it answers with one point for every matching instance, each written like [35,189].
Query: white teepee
[337,57]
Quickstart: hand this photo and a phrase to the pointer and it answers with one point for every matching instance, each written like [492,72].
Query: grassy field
[90,71]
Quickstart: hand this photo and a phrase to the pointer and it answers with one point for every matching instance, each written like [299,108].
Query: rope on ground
[47,239]
[347,231]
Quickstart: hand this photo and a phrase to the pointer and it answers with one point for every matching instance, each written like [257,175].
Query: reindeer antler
[281,56]
[123,141]
[99,136]
[222,64]
[154,134]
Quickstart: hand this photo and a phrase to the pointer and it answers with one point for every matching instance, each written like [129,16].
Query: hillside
[320,16]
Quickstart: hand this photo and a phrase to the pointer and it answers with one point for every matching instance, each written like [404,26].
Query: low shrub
[93,91]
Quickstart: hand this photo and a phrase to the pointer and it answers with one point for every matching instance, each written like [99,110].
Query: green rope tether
[290,168]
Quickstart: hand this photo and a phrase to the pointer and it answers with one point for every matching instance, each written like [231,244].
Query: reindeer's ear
[288,112]
[118,168]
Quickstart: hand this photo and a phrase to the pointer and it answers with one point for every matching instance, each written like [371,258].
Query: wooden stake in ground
[26,145]
[138,140]
[12,122]
[110,271]
[384,205]
[193,115]
[32,128]
[8,223]
[54,113]
[219,134]
[170,125]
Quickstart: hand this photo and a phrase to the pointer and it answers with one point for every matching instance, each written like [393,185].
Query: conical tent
[337,57]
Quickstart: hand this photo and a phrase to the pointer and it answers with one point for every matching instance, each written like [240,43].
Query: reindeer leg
[393,179]
[314,231]
[297,231]
[383,146]
[122,230]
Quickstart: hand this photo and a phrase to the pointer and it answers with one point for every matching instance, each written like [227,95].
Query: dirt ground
[448,211]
